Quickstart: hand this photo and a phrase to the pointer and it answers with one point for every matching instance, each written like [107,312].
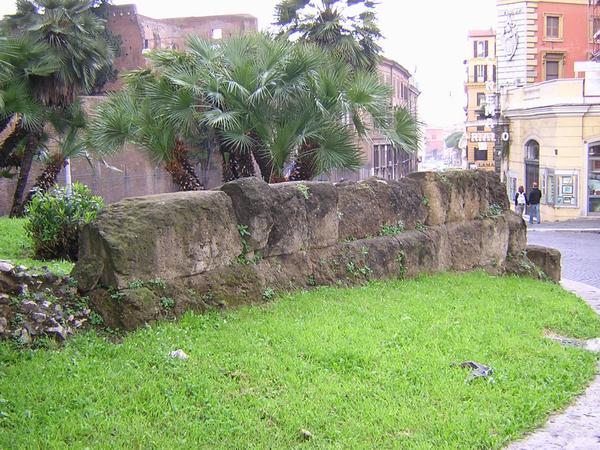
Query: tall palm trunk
[227,172]
[9,128]
[47,178]
[264,162]
[236,164]
[31,147]
[182,171]
[245,164]
[305,164]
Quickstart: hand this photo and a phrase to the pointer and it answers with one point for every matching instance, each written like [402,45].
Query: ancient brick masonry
[240,243]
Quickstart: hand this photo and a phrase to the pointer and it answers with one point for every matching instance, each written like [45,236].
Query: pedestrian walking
[534,204]
[520,201]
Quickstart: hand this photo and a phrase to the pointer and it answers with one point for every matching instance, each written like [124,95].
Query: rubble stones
[5,266]
[38,303]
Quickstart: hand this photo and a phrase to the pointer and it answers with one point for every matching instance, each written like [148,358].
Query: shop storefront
[555,142]
[593,179]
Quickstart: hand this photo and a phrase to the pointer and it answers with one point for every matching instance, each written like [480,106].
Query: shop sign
[483,137]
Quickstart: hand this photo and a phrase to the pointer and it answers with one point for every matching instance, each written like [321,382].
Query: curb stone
[578,427]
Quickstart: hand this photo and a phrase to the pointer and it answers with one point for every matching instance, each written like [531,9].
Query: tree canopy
[347,28]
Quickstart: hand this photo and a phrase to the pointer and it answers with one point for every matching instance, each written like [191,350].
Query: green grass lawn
[366,367]
[15,246]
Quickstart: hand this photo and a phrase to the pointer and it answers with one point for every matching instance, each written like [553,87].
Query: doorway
[532,164]
[593,181]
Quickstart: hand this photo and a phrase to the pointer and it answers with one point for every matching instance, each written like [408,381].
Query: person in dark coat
[534,204]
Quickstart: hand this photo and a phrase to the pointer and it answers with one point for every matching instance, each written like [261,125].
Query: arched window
[532,150]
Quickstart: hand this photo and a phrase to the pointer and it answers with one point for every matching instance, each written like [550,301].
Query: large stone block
[308,233]
[253,202]
[465,241]
[517,240]
[460,195]
[547,259]
[169,236]
[437,195]
[367,206]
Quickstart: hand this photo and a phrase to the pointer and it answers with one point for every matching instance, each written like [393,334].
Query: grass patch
[366,367]
[16,246]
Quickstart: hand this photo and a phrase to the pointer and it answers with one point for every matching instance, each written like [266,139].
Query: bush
[56,218]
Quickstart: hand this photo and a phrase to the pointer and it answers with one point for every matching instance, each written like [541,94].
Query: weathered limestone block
[290,226]
[465,240]
[253,203]
[303,230]
[437,196]
[547,259]
[167,236]
[461,195]
[517,240]
[495,235]
[367,206]
[321,214]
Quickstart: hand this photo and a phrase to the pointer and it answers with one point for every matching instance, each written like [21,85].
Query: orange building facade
[563,35]
[480,88]
[140,33]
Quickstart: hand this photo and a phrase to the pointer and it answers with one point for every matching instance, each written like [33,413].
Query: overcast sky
[423,35]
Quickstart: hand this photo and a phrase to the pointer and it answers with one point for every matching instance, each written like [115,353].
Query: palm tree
[22,116]
[154,114]
[261,95]
[268,101]
[69,125]
[347,28]
[74,40]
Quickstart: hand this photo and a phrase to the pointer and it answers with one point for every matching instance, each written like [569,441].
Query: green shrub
[55,219]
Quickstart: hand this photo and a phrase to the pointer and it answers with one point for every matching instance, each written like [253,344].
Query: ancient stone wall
[155,257]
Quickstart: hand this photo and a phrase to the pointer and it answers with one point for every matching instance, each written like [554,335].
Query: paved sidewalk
[578,427]
[582,224]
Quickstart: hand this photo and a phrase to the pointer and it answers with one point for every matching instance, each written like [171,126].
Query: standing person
[534,203]
[520,201]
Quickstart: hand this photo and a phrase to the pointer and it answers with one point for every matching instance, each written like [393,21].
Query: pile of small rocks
[37,303]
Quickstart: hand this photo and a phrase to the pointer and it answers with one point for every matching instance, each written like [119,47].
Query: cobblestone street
[580,253]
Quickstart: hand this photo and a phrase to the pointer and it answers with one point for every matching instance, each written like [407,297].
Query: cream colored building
[555,138]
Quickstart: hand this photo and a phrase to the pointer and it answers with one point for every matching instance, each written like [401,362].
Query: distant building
[385,160]
[140,33]
[434,143]
[540,40]
[480,88]
[553,115]
[382,159]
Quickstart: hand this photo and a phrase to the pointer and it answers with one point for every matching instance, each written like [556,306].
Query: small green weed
[401,260]
[311,281]
[167,302]
[493,211]
[392,230]
[268,294]
[243,230]
[96,319]
[425,201]
[304,190]
[419,226]
[242,258]
[157,282]
[117,296]
[356,269]
[135,284]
